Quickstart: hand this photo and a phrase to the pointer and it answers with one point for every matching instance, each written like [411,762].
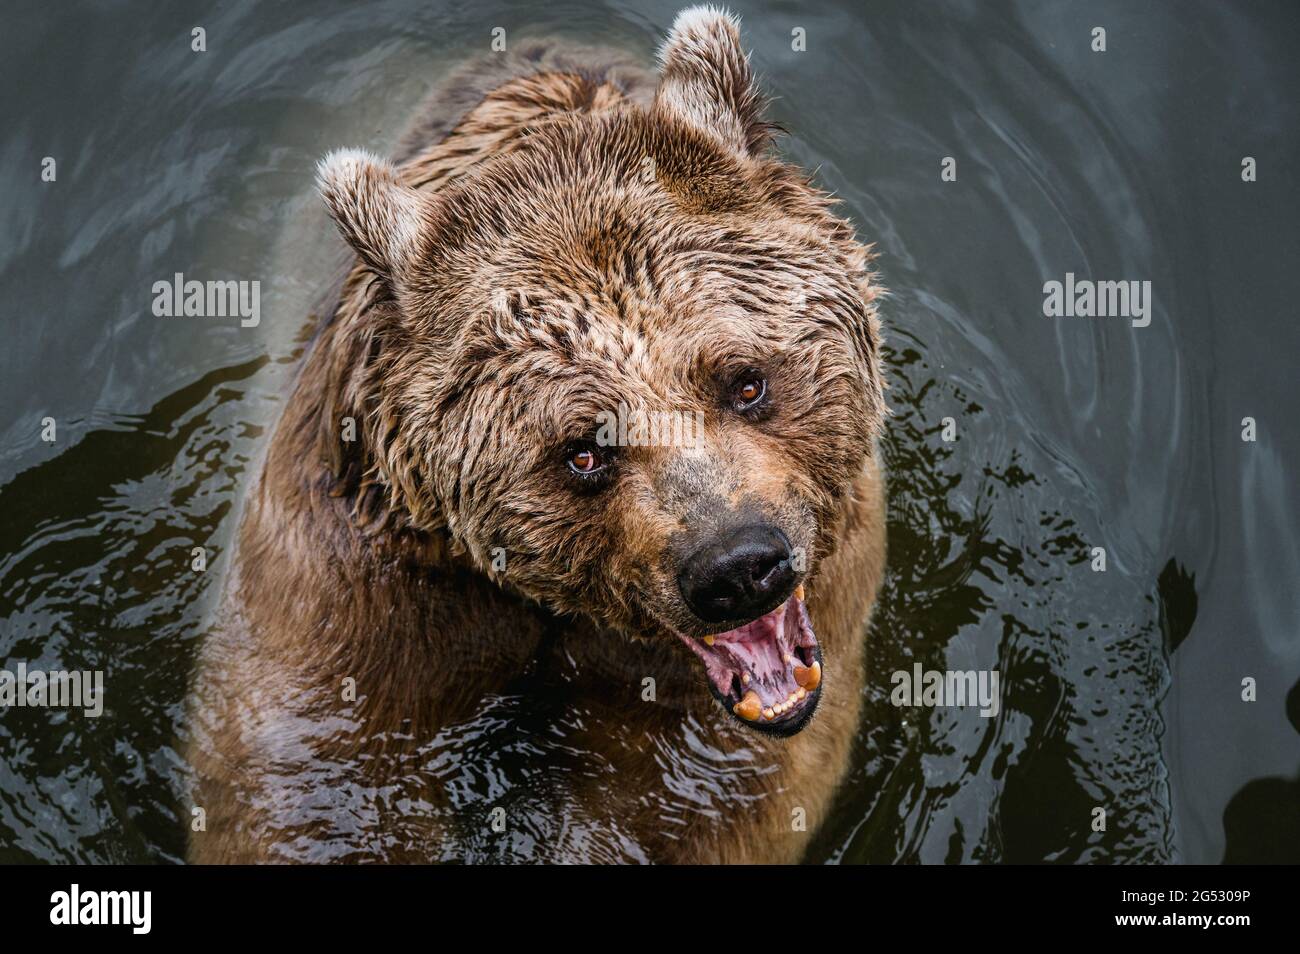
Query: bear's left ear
[706,82]
[380,216]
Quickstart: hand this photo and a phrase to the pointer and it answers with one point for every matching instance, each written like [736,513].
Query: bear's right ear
[705,80]
[380,216]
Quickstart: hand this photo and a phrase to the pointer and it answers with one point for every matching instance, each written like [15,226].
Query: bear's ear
[379,216]
[706,82]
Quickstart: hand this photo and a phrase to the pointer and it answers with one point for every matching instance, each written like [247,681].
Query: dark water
[1122,689]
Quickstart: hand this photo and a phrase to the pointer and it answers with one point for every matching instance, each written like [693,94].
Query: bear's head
[629,365]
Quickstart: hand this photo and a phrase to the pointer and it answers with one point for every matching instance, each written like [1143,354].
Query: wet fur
[483,324]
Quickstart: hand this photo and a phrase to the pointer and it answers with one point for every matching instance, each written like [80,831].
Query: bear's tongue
[765,672]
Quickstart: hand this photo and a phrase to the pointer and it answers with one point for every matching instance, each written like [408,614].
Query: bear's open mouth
[766,673]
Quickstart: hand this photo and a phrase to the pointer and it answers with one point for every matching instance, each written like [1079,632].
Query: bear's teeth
[798,592]
[748,707]
[809,677]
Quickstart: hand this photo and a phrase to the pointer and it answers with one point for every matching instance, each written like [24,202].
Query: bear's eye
[749,390]
[586,460]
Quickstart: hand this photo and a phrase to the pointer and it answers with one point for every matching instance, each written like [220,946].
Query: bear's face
[632,367]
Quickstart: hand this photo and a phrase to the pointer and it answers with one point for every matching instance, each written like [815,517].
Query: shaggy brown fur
[580,239]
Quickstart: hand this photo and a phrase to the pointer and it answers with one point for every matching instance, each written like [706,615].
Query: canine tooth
[748,707]
[769,714]
[809,677]
[798,592]
[708,640]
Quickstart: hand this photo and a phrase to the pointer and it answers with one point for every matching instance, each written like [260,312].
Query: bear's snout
[738,575]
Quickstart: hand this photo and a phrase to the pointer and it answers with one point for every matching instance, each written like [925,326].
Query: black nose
[738,575]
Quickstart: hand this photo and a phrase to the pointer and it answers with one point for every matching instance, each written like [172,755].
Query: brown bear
[467,618]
